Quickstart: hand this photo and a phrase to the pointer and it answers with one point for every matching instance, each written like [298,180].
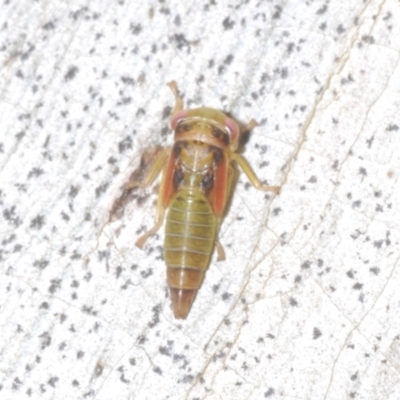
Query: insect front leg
[249,126]
[244,165]
[178,99]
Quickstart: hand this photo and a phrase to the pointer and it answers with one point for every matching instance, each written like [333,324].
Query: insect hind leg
[149,178]
[159,221]
[220,251]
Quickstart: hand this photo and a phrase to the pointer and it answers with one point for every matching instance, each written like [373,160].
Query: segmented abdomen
[189,240]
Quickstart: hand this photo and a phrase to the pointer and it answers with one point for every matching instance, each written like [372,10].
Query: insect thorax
[196,163]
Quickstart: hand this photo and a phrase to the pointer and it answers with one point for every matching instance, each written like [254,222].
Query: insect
[196,181]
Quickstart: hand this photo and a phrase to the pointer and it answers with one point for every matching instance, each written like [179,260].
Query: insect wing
[169,182]
[218,193]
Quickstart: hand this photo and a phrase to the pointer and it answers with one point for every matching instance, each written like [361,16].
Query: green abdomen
[189,241]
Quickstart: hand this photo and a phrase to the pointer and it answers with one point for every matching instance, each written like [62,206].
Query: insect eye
[233,129]
[175,118]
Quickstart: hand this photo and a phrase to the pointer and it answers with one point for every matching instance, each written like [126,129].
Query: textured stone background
[306,305]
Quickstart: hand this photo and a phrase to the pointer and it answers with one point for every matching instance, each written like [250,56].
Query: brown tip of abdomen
[182,300]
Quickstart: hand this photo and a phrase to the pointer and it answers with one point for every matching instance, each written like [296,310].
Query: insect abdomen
[189,240]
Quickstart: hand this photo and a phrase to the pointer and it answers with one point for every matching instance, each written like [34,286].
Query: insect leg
[244,165]
[178,98]
[220,251]
[161,199]
[159,221]
[153,172]
[249,126]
